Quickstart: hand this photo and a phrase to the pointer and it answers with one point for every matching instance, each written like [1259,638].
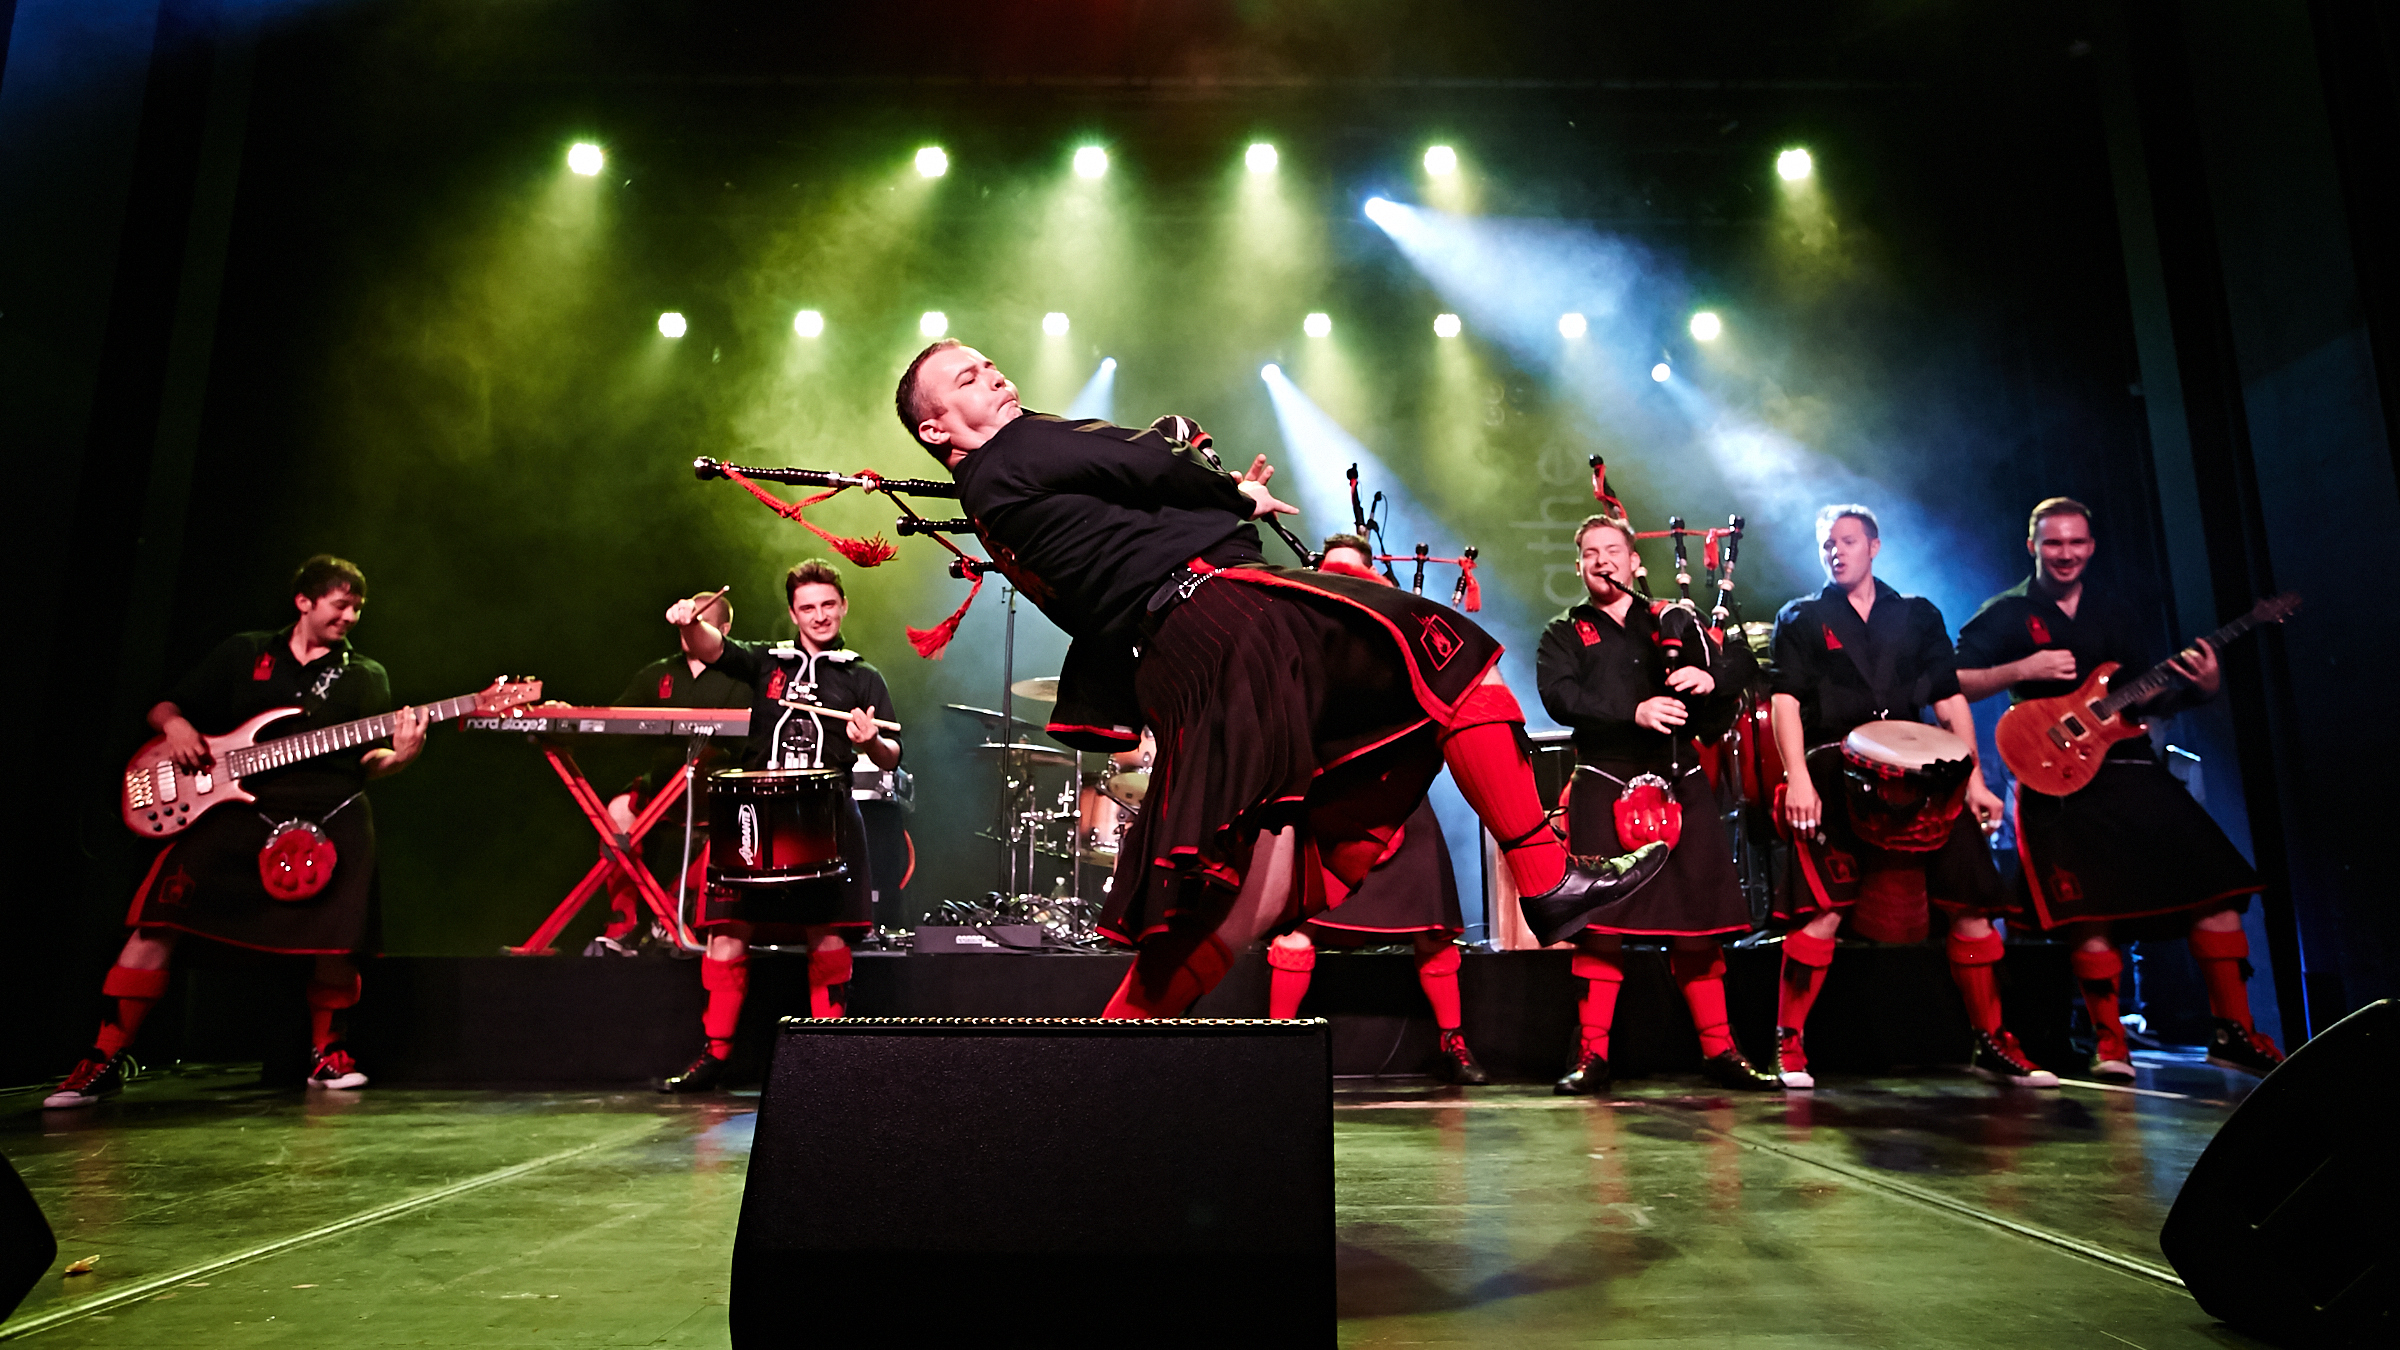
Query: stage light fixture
[1662,372]
[1055,324]
[1108,364]
[932,162]
[1378,209]
[1260,157]
[671,324]
[1317,325]
[1795,164]
[1269,371]
[1091,162]
[1445,325]
[1706,326]
[585,158]
[934,324]
[1441,161]
[809,323]
[1571,326]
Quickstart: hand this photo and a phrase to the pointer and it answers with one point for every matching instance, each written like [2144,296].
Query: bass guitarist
[208,883]
[2131,855]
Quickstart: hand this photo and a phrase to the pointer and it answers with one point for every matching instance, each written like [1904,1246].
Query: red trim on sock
[1702,977]
[1169,975]
[1437,975]
[727,983]
[1596,1011]
[1489,767]
[1971,962]
[1809,956]
[136,993]
[2097,973]
[2221,955]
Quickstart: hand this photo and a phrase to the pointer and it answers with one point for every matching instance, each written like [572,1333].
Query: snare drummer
[1858,652]
[2132,855]
[814,670]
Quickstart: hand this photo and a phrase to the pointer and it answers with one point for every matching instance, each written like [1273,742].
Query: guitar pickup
[166,782]
[2074,728]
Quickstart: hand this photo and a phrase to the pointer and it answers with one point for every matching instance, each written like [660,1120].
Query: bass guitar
[160,800]
[2055,745]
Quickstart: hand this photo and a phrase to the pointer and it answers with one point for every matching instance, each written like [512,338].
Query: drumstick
[700,608]
[836,712]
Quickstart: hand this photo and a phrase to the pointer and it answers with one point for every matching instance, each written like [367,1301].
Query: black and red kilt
[1697,894]
[1413,891]
[1285,698]
[206,883]
[2131,849]
[1960,878]
[781,914]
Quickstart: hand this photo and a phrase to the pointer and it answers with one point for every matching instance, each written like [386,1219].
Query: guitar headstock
[505,694]
[2276,608]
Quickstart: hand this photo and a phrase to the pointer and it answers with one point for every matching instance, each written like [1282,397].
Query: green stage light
[585,158]
[1260,157]
[1317,325]
[1441,161]
[934,323]
[1445,325]
[1055,324]
[1706,326]
[932,162]
[671,324]
[1571,326]
[1795,164]
[1091,162]
[809,323]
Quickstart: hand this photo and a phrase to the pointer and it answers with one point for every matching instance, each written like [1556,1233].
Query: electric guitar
[2055,745]
[160,800]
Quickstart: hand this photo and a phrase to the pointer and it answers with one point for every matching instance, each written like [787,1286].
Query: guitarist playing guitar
[2130,855]
[208,882]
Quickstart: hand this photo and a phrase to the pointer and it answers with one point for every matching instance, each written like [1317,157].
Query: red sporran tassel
[930,642]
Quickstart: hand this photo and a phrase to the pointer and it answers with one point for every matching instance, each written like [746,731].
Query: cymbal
[1032,754]
[1041,689]
[989,715]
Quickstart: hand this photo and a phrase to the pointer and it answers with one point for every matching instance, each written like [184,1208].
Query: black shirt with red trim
[1593,672]
[1088,519]
[782,675]
[1832,661]
[250,673]
[669,683]
[2022,620]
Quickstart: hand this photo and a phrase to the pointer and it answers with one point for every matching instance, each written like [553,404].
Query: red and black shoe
[1733,1069]
[704,1074]
[95,1076]
[1590,1077]
[2234,1046]
[1999,1059]
[1457,1063]
[336,1070]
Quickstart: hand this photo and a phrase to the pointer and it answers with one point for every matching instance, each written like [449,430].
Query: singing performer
[815,669]
[207,883]
[1297,712]
[681,680]
[1412,894]
[1637,682]
[2131,855]
[1856,652]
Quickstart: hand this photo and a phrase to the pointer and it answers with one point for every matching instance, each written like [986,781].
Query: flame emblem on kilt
[1438,639]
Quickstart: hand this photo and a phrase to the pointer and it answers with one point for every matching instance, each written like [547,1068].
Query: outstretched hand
[1263,502]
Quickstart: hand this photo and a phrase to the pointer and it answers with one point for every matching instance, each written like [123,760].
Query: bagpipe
[1367,522]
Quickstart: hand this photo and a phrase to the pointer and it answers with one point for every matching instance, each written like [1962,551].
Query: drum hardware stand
[685,938]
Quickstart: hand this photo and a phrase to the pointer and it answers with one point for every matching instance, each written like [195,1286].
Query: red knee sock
[324,1000]
[1489,767]
[829,981]
[2223,957]
[1287,983]
[1170,974]
[1971,962]
[1805,958]
[1437,975]
[1702,976]
[2098,971]
[726,982]
[136,992]
[1602,977]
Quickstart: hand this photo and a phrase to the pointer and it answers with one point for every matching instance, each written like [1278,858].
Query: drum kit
[1059,806]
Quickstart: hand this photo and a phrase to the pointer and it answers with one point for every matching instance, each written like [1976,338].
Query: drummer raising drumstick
[815,705]
[1854,653]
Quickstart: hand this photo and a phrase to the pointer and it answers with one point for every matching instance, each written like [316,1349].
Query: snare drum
[1129,771]
[771,827]
[1904,782]
[1101,820]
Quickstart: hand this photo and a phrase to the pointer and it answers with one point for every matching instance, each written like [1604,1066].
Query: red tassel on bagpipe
[869,552]
[932,642]
[1470,591]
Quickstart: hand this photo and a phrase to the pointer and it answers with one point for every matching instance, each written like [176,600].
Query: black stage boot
[1589,1078]
[2000,1059]
[1457,1063]
[703,1074]
[2234,1046]
[1590,884]
[1733,1070]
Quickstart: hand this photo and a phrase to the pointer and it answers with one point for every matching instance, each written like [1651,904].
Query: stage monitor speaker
[1050,1180]
[2284,1227]
[27,1246]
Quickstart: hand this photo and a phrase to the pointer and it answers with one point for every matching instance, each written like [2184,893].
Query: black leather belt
[1176,589]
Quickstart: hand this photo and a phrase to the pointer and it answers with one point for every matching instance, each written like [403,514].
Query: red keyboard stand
[619,854]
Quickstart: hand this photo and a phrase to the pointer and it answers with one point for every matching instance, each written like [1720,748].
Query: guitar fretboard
[2159,677]
[292,749]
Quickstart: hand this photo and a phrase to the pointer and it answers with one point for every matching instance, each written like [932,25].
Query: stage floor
[1924,1211]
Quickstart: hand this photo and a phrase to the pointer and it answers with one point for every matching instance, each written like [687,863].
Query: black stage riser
[578,1020]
